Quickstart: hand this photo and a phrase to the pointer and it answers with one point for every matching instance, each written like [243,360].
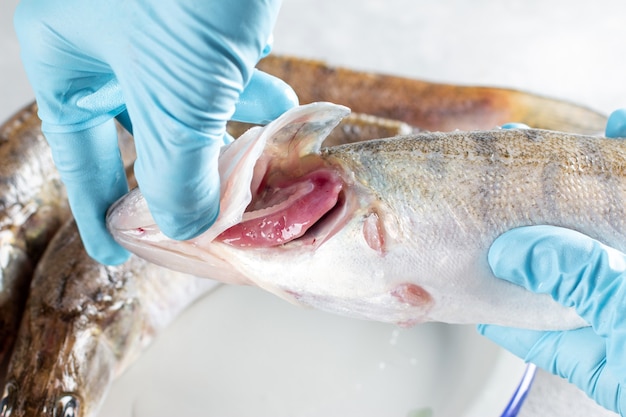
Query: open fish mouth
[286,209]
[298,197]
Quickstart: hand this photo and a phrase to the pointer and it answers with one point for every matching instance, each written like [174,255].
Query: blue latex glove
[578,272]
[175,70]
[616,124]
[515,125]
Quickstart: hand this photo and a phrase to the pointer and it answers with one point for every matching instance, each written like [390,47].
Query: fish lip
[123,214]
[113,213]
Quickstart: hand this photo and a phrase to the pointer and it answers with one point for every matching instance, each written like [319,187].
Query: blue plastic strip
[517,400]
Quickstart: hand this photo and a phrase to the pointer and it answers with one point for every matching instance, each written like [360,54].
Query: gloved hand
[578,272]
[175,70]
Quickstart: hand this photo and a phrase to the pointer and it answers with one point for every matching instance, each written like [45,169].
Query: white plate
[240,352]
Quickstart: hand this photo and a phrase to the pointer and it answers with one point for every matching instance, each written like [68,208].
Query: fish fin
[302,130]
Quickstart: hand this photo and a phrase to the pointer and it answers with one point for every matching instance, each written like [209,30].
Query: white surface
[241,352]
[565,49]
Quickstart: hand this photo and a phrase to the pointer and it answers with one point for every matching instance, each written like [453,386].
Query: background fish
[399,228]
[429,105]
[32,208]
[84,323]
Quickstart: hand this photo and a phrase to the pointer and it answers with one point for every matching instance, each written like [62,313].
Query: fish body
[68,325]
[32,208]
[407,234]
[428,105]
[85,323]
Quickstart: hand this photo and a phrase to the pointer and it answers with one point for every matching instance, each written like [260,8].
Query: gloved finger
[616,124]
[178,125]
[577,355]
[515,125]
[575,270]
[178,147]
[264,99]
[268,46]
[91,168]
[179,109]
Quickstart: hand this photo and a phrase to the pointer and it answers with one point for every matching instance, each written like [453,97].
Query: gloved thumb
[264,98]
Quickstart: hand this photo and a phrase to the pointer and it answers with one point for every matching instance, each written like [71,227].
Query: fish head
[62,371]
[291,222]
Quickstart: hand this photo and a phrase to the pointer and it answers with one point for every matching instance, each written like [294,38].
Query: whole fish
[83,324]
[395,230]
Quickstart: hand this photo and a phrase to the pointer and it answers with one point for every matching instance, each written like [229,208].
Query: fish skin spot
[412,294]
[373,233]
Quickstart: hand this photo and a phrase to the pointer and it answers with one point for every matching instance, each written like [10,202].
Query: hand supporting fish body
[394,230]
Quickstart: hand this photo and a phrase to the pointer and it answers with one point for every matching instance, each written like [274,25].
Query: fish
[431,106]
[33,206]
[393,230]
[84,324]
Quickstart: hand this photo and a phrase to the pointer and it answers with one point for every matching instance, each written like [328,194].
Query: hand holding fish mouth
[174,73]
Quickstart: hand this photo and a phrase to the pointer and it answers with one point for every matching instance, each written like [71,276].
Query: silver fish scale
[488,182]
